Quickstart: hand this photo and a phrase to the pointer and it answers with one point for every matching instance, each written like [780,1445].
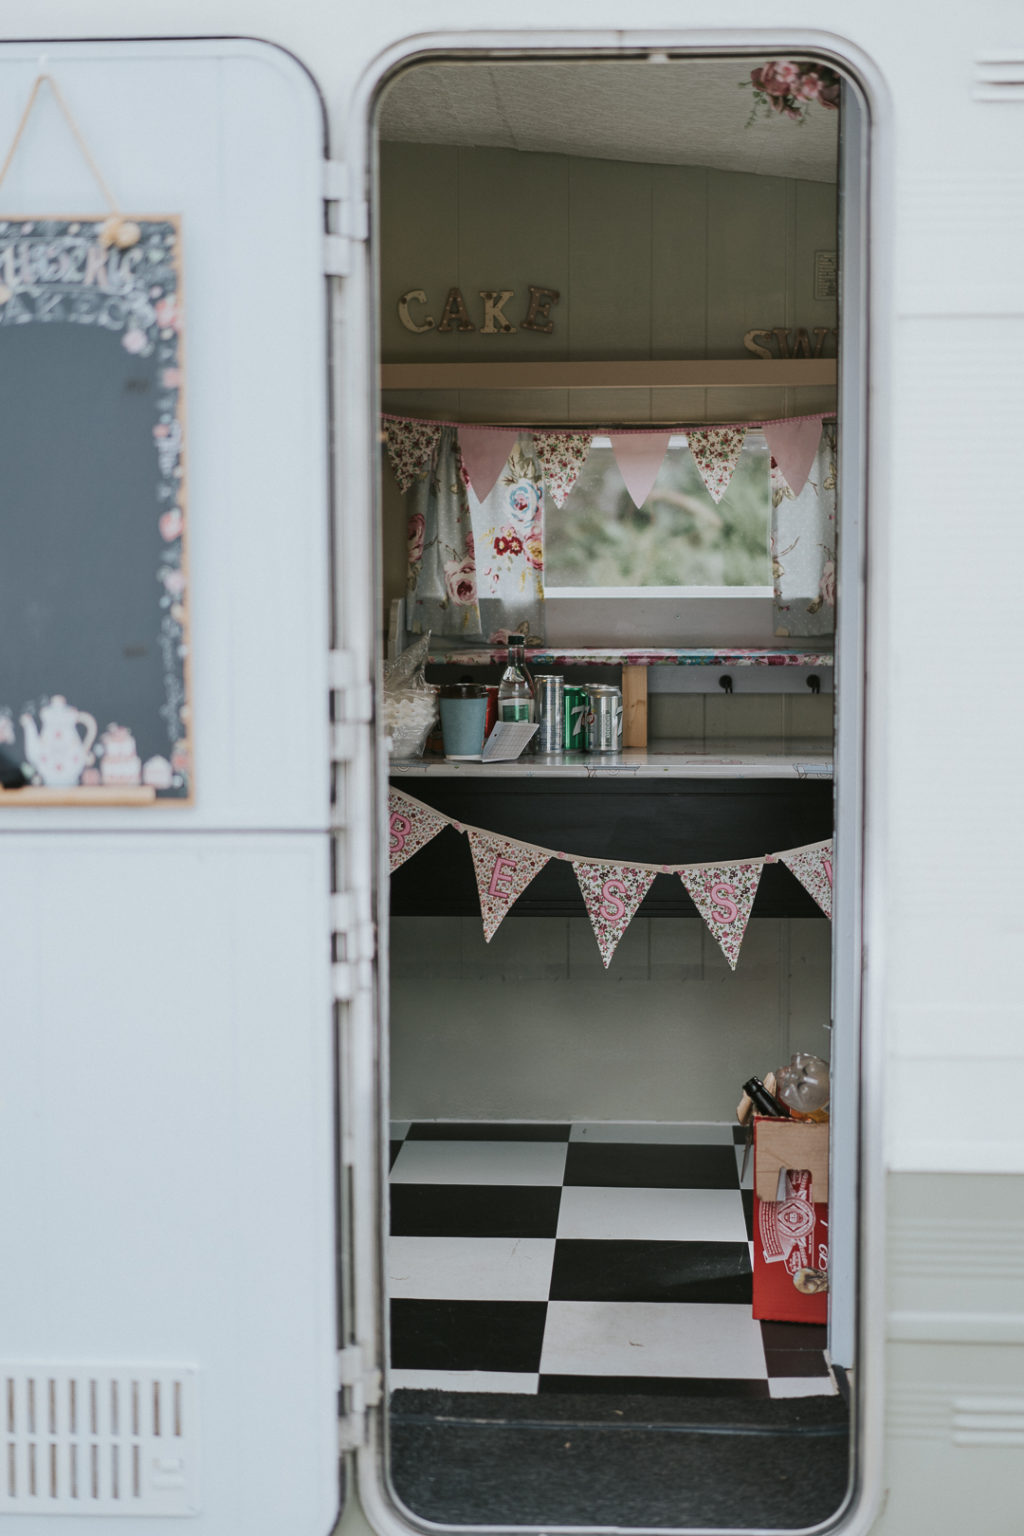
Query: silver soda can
[550,699]
[577,707]
[604,719]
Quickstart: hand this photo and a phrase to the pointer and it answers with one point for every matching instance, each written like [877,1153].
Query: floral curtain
[476,567]
[508,531]
[803,546]
[442,567]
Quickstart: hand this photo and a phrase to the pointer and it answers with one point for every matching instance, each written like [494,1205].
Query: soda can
[550,699]
[604,719]
[575,712]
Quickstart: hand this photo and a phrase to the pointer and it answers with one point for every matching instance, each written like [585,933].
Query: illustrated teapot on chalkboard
[56,749]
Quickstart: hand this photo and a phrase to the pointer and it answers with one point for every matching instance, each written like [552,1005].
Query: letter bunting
[612,892]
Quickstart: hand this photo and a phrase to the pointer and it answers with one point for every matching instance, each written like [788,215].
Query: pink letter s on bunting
[503,869]
[724,897]
[411,825]
[612,895]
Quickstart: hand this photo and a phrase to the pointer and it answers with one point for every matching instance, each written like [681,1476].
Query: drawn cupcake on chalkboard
[120,762]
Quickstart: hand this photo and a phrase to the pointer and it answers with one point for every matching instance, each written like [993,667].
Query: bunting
[612,893]
[793,445]
[723,895]
[561,455]
[715,451]
[485,452]
[812,866]
[639,456]
[411,826]
[411,445]
[503,868]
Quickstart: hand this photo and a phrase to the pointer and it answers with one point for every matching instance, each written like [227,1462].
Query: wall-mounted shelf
[689,656]
[699,373]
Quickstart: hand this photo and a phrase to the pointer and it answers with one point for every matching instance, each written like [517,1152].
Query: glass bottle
[515,691]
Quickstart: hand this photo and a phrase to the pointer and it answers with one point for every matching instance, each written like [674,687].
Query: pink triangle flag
[503,869]
[639,456]
[813,868]
[715,451]
[561,456]
[612,894]
[485,452]
[411,825]
[793,444]
[724,896]
[411,445]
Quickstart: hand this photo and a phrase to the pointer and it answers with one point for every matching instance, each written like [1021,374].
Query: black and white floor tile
[584,1258]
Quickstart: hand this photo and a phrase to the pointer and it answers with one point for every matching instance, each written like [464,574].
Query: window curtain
[476,567]
[803,546]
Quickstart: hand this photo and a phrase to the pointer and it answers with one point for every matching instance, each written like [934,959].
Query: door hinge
[349,224]
[355,694]
[360,935]
[362,1388]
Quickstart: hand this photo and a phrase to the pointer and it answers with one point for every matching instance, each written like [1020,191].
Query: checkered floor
[584,1258]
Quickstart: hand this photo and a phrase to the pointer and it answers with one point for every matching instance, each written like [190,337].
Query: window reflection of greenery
[679,537]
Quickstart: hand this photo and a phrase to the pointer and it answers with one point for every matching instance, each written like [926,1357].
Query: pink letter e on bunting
[813,868]
[723,897]
[503,869]
[411,825]
[612,894]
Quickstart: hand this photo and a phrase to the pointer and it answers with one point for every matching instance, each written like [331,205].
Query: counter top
[659,760]
[543,656]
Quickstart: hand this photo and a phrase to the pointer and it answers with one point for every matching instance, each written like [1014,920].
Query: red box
[791,1234]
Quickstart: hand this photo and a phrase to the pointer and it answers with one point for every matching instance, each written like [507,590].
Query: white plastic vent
[99,1440]
[999,78]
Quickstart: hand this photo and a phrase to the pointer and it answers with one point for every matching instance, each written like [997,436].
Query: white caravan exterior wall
[944,1155]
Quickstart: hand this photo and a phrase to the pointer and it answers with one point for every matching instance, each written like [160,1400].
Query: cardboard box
[790,1218]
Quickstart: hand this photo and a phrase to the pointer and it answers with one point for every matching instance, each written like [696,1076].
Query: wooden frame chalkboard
[94,657]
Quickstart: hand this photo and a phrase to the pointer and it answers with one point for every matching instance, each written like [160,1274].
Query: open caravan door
[170,948]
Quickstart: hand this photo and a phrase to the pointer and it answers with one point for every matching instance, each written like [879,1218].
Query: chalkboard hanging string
[116,230]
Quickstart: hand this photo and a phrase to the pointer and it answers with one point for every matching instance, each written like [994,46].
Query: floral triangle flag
[503,869]
[411,445]
[612,894]
[639,456]
[715,451]
[562,455]
[724,895]
[411,825]
[813,868]
[485,452]
[793,445]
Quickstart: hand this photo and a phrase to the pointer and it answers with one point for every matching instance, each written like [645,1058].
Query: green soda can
[575,715]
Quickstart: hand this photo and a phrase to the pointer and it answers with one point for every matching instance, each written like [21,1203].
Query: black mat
[605,1459]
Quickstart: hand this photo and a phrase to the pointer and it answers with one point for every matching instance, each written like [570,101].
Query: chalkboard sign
[94,673]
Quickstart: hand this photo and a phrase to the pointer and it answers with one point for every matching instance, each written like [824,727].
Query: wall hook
[814,683]
[725,683]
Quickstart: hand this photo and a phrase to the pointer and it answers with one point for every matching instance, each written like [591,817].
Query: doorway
[569,1279]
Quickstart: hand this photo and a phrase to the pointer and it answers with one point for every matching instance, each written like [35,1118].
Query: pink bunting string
[639,456]
[724,895]
[561,456]
[612,896]
[411,825]
[793,445]
[411,445]
[503,869]
[485,452]
[812,866]
[715,451]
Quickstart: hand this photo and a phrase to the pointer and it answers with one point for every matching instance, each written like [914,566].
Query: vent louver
[999,78]
[98,1439]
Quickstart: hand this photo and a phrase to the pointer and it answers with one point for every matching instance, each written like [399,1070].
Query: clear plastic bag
[803,1086]
[410,702]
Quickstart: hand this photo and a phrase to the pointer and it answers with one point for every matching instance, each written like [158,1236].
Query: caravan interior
[609,256]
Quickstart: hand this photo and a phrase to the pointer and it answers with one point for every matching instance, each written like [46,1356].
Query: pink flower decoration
[171,378]
[417,527]
[460,582]
[168,315]
[134,341]
[171,524]
[535,551]
[174,581]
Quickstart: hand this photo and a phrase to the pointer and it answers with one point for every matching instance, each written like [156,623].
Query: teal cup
[463,715]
